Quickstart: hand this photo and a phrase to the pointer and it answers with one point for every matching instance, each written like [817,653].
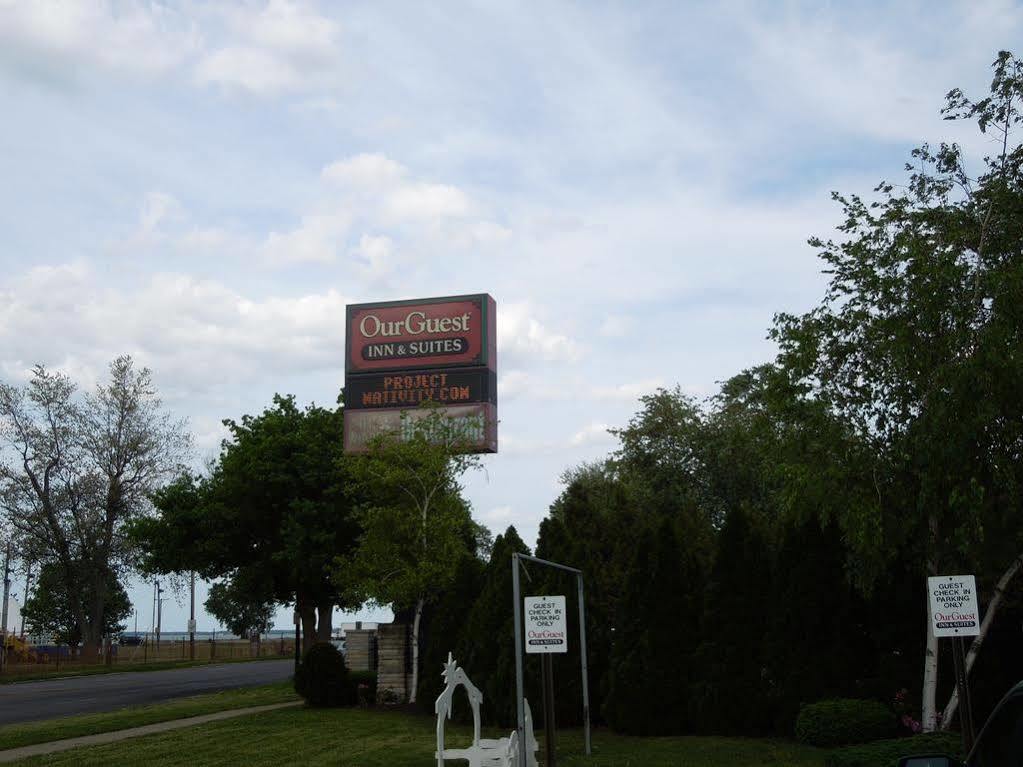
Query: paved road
[29,701]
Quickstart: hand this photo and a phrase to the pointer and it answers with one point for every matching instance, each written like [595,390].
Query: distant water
[225,636]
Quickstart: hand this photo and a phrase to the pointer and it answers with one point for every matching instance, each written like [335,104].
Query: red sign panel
[426,333]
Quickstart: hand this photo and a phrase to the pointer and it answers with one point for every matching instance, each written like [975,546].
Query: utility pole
[7,594]
[159,611]
[191,621]
[28,582]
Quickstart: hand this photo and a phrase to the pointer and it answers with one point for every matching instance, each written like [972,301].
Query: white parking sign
[546,626]
[954,611]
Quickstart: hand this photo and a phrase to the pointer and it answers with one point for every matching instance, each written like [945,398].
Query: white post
[519,681]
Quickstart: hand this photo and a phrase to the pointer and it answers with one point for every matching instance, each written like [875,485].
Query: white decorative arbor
[484,752]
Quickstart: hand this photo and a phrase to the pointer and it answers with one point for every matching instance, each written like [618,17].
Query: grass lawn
[360,738]
[14,735]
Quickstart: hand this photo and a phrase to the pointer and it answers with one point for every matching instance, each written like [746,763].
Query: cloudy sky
[206,185]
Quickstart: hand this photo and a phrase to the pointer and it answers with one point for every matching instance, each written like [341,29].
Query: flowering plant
[902,710]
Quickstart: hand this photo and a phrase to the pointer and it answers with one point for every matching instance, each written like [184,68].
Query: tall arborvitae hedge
[444,623]
[655,637]
[486,649]
[819,642]
[590,527]
[729,695]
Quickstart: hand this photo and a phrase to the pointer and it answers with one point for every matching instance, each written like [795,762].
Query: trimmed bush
[323,678]
[844,722]
[886,753]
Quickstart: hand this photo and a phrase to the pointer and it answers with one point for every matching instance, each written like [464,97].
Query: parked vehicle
[1000,743]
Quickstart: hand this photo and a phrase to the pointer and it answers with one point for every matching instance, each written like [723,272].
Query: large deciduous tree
[917,345]
[244,608]
[274,512]
[78,468]
[53,610]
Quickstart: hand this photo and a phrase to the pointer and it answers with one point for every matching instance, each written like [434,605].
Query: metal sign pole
[549,727]
[963,686]
[520,708]
[582,656]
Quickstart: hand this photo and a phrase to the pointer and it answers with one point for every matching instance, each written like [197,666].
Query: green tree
[486,649]
[445,619]
[274,512]
[660,465]
[414,525]
[656,634]
[78,468]
[818,643]
[916,345]
[53,609]
[729,695]
[591,526]
[237,605]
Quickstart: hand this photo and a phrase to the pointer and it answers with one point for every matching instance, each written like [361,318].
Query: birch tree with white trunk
[416,526]
[916,345]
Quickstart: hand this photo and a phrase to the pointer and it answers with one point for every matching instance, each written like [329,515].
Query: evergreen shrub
[843,722]
[886,753]
[323,679]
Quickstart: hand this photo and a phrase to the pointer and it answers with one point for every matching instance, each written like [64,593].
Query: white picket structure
[484,752]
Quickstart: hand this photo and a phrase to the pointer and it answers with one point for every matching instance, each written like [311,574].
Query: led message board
[400,355]
[444,386]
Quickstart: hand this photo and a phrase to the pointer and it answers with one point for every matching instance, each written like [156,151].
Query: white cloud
[498,514]
[374,258]
[591,434]
[628,391]
[365,171]
[197,332]
[427,201]
[157,207]
[384,187]
[521,336]
[616,326]
[317,239]
[514,382]
[249,68]
[283,47]
[132,37]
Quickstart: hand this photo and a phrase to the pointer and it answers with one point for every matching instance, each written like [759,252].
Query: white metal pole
[582,655]
[520,708]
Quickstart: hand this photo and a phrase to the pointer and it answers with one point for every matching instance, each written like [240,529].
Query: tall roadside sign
[402,354]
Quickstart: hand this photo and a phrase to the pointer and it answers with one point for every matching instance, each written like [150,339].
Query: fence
[61,659]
